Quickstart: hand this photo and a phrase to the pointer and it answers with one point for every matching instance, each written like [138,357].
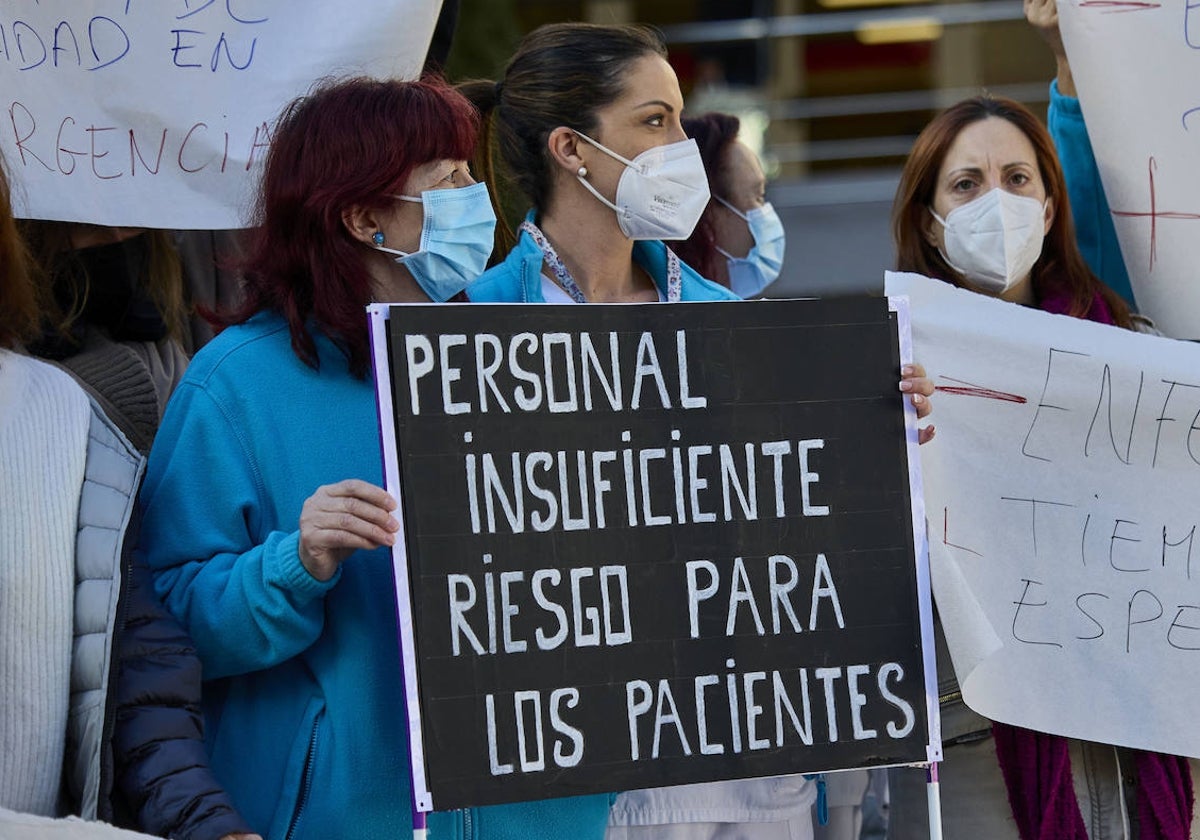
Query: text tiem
[1102,540]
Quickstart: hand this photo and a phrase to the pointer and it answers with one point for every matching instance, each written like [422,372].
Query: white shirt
[554,293]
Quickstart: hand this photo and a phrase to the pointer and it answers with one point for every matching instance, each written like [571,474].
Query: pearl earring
[582,173]
[377,237]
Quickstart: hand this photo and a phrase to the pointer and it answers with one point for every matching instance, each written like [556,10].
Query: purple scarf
[1056,299]
[1037,774]
[1037,767]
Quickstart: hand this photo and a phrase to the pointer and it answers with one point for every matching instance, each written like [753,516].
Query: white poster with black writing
[159,114]
[1137,67]
[651,545]
[1062,496]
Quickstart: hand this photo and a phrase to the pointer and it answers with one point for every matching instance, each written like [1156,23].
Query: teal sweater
[1094,230]
[303,696]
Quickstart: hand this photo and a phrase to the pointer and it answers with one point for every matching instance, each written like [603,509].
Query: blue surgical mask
[456,240]
[750,274]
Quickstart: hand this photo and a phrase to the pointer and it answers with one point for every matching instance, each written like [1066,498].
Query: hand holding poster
[651,545]
[1137,68]
[1061,491]
[158,114]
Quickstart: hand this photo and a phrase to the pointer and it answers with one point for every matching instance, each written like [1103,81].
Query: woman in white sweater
[41,411]
[80,641]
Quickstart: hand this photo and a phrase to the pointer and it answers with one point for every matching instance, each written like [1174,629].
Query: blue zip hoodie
[519,278]
[305,711]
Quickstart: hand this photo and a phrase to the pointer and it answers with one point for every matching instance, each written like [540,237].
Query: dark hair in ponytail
[561,75]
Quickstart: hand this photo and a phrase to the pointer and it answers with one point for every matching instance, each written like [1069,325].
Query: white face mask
[750,274]
[662,192]
[995,239]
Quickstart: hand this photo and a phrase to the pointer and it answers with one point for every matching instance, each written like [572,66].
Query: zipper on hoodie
[306,784]
[468,829]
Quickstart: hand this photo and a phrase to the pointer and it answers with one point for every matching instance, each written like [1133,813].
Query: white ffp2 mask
[995,239]
[662,192]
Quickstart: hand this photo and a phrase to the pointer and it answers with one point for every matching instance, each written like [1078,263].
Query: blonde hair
[53,254]
[19,311]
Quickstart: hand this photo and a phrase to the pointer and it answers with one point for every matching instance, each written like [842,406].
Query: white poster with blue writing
[158,114]
[1063,498]
[1137,68]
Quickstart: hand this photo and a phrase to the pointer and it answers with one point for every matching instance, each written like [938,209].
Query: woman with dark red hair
[982,205]
[739,241]
[264,521]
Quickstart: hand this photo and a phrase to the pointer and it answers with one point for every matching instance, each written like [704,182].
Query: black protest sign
[650,545]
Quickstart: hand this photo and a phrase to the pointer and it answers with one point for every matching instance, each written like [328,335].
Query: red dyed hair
[345,143]
[714,133]
[1060,265]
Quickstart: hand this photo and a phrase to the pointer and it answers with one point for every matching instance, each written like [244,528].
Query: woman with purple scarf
[982,205]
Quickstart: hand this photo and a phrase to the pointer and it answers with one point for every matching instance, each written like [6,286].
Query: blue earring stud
[377,237]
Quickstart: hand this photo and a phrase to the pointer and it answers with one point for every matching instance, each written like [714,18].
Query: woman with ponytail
[586,124]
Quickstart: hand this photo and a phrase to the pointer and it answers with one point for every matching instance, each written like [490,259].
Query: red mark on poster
[1154,214]
[1119,5]
[970,389]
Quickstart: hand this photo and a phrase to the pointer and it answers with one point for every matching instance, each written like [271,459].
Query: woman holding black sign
[982,205]
[264,521]
[587,122]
